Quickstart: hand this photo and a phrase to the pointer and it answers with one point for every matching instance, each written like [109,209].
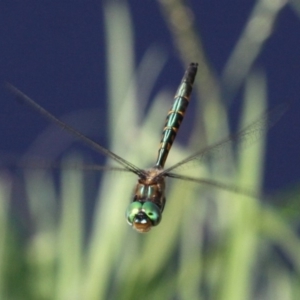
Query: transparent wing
[242,138]
[42,164]
[126,164]
[216,184]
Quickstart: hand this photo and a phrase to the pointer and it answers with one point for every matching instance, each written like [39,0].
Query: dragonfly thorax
[148,203]
[152,176]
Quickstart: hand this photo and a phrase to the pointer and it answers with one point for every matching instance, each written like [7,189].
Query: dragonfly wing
[242,138]
[42,164]
[216,184]
[100,149]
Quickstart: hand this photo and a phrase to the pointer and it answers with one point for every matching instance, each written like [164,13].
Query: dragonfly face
[149,200]
[143,215]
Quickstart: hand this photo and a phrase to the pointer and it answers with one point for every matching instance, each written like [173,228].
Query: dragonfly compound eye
[133,209]
[153,212]
[142,216]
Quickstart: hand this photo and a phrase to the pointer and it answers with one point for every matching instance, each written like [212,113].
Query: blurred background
[110,69]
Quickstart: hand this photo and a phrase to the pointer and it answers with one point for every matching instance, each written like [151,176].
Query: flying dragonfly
[145,210]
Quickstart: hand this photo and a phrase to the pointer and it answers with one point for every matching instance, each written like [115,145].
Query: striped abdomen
[176,114]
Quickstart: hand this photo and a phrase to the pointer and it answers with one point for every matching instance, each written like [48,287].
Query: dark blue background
[54,51]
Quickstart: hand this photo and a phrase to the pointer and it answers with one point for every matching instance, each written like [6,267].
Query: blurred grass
[211,244]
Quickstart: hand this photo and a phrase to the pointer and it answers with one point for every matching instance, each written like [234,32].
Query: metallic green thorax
[176,114]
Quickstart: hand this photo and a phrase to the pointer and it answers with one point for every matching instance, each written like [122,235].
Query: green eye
[153,212]
[132,211]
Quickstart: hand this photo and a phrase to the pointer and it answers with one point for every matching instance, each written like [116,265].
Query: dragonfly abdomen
[176,114]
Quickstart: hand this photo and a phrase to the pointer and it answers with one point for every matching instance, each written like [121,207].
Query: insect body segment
[148,203]
[176,114]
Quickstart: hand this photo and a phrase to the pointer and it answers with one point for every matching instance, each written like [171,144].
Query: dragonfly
[145,210]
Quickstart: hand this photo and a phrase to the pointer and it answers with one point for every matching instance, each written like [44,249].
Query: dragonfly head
[143,215]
